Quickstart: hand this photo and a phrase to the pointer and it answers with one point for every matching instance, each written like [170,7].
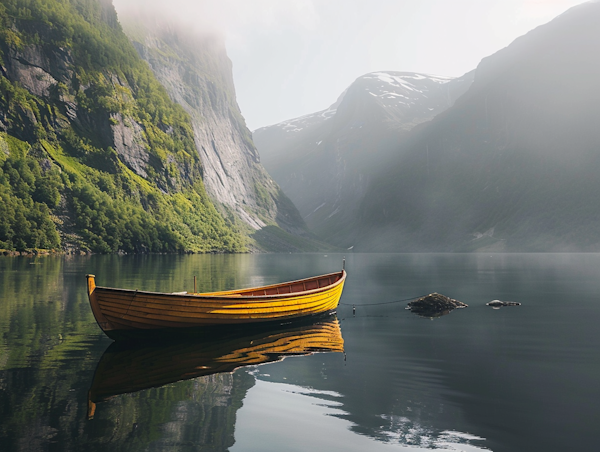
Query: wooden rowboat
[123,310]
[126,368]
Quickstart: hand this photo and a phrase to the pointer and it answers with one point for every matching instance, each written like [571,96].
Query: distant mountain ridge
[512,166]
[325,161]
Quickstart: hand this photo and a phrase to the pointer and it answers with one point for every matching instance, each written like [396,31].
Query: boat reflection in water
[131,367]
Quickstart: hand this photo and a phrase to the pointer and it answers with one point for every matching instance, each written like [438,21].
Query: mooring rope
[383,302]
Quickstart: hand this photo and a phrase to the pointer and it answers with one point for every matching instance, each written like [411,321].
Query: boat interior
[281,289]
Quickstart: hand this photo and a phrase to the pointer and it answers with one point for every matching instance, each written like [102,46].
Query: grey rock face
[130,144]
[197,74]
[38,71]
[33,78]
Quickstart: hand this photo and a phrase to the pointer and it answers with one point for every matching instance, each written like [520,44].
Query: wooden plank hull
[130,368]
[121,309]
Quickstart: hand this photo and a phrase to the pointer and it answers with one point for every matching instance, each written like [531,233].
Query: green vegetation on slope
[26,197]
[93,146]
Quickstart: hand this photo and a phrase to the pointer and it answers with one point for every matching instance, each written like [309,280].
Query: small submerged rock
[498,304]
[434,305]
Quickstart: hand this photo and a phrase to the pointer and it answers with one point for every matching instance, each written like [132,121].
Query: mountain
[325,161]
[95,155]
[512,166]
[197,74]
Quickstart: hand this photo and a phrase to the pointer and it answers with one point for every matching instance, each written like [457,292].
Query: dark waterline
[515,379]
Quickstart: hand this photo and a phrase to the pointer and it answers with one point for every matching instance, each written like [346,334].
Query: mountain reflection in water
[283,413]
[131,367]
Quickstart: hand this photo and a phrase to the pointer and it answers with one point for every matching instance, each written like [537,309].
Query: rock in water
[499,304]
[434,305]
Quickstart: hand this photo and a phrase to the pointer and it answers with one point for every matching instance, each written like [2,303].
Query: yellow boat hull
[122,309]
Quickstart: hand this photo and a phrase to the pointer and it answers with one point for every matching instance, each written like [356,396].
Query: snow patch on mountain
[393,89]
[402,89]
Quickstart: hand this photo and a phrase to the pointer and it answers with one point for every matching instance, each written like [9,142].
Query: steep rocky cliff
[93,148]
[95,155]
[197,74]
[325,161]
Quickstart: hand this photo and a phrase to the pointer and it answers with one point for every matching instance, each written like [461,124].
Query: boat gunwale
[234,293]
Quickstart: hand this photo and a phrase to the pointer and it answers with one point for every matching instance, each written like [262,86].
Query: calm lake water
[523,378]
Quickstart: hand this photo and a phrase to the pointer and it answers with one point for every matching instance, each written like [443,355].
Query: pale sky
[294,57]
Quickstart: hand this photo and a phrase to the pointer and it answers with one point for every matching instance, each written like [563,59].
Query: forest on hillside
[72,91]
